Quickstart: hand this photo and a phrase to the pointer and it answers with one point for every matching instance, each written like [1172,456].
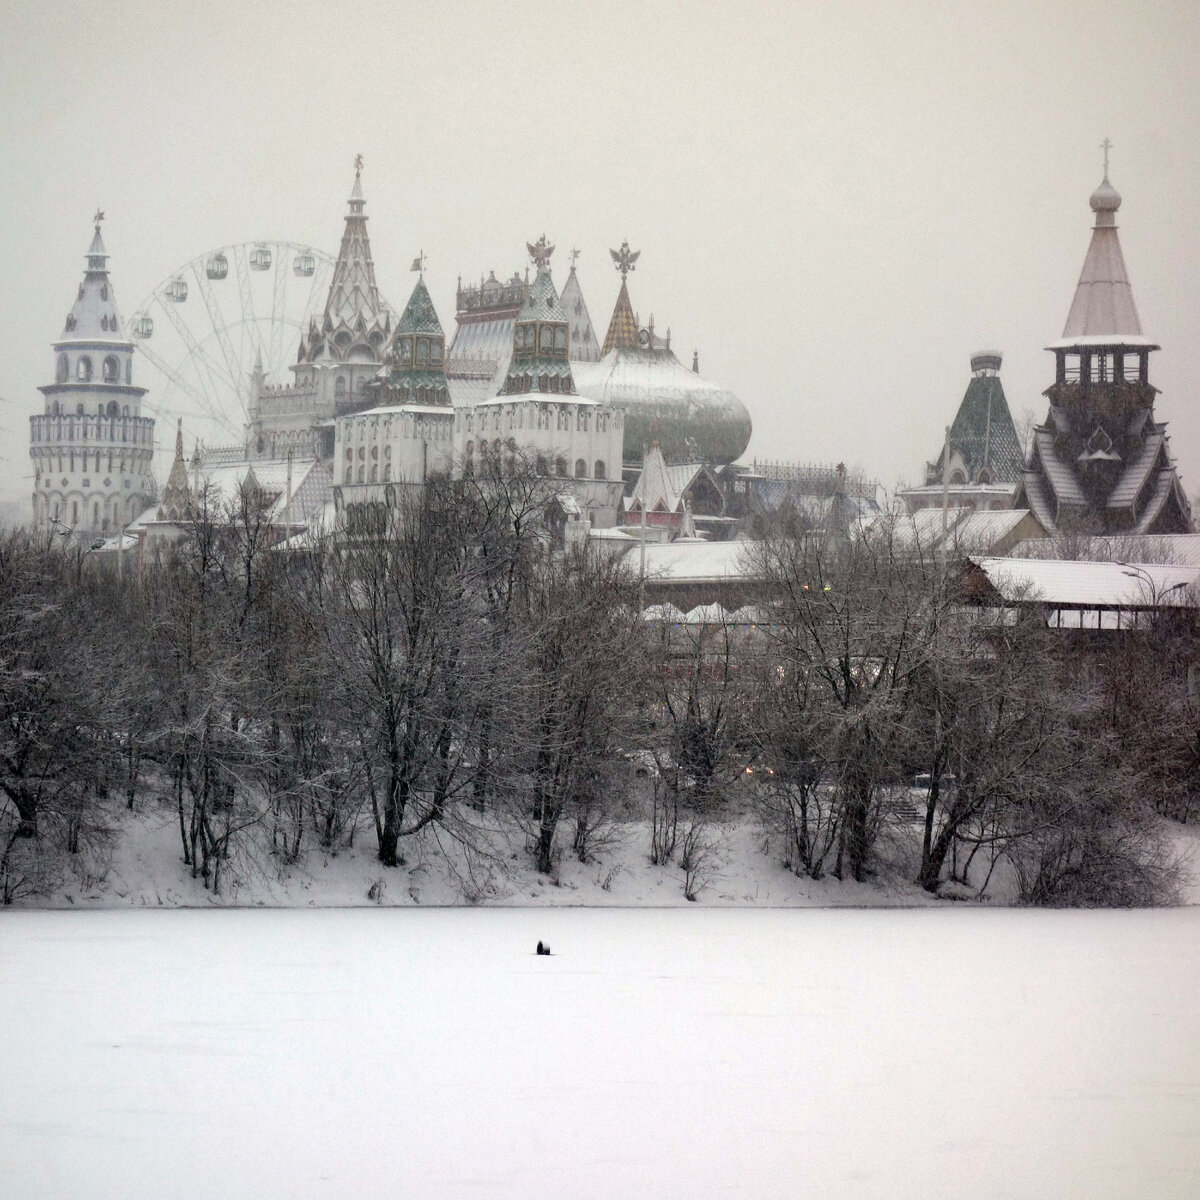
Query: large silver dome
[690,417]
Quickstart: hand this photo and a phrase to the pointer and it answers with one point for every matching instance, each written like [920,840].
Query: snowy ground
[960,1052]
[143,868]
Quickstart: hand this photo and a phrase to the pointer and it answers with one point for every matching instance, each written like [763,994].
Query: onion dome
[1106,198]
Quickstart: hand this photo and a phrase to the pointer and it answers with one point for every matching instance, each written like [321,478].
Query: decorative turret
[415,371]
[982,443]
[176,496]
[92,451]
[539,360]
[345,346]
[1100,462]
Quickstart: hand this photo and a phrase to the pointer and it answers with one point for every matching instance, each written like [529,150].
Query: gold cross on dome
[1106,146]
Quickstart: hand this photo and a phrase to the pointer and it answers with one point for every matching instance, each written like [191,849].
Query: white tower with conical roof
[91,448]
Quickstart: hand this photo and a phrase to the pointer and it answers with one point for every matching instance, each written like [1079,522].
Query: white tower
[91,448]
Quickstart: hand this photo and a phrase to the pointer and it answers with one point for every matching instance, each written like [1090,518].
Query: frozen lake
[677,1055]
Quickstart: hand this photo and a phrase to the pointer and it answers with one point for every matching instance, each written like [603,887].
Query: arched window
[540,465]
[124,410]
[387,472]
[560,466]
[113,409]
[83,369]
[560,338]
[63,370]
[339,386]
[422,350]
[374,472]
[580,469]
[349,472]
[362,474]
[598,472]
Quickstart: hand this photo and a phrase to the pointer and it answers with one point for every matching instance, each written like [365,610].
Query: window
[129,370]
[560,338]
[63,369]
[580,469]
[598,472]
[362,474]
[83,369]
[560,466]
[374,472]
[387,472]
[422,350]
[540,465]
[435,352]
[339,386]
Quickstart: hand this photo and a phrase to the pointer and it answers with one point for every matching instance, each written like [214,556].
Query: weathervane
[419,263]
[540,252]
[357,163]
[98,218]
[574,255]
[625,258]
[1106,146]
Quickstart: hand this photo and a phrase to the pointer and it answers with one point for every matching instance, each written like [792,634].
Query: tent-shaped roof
[1103,310]
[581,344]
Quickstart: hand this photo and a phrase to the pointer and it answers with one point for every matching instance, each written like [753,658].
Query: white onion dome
[1105,198]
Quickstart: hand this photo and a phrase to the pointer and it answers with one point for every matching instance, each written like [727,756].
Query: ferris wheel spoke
[279,302]
[176,380]
[216,321]
[243,274]
[211,372]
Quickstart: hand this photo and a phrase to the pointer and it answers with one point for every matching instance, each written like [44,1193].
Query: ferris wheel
[208,323]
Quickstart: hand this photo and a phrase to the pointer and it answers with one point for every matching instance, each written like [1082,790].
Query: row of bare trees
[451,675]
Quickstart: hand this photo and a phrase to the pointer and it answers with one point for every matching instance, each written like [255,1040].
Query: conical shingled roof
[419,315]
[93,316]
[543,303]
[622,329]
[582,345]
[983,434]
[353,294]
[1103,306]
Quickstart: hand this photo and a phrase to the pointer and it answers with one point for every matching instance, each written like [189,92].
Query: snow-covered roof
[695,562]
[1182,549]
[1071,584]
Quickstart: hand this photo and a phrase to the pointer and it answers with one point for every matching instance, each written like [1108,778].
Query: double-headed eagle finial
[540,252]
[625,259]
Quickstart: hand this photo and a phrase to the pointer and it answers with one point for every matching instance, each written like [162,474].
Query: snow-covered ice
[674,1054]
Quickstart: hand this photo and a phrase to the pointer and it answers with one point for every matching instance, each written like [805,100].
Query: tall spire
[1103,306]
[582,343]
[353,294]
[94,314]
[622,329]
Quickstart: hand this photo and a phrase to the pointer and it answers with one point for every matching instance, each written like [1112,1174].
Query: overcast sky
[835,203]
